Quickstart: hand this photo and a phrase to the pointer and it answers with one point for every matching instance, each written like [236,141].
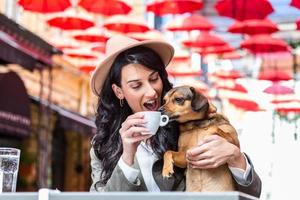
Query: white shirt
[146,158]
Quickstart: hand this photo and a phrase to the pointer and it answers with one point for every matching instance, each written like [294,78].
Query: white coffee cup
[154,120]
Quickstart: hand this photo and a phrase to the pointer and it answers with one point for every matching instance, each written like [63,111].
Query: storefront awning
[19,45]
[14,106]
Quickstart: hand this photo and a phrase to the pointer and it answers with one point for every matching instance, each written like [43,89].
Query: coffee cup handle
[164,119]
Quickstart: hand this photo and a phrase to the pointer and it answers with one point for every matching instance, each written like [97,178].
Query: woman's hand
[214,151]
[130,132]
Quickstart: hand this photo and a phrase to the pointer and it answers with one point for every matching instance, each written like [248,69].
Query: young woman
[130,79]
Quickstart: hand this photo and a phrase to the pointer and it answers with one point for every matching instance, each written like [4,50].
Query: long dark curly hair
[110,115]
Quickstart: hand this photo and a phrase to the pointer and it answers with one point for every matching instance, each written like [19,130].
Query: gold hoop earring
[121,102]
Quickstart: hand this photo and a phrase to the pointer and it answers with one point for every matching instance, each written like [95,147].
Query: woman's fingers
[139,138]
[136,120]
[134,131]
[205,164]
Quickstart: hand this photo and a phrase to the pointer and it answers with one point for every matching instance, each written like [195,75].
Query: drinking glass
[9,166]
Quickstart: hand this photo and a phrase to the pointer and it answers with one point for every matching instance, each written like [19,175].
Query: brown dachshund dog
[197,118]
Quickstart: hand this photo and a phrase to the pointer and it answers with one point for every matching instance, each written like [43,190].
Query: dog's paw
[168,168]
[168,171]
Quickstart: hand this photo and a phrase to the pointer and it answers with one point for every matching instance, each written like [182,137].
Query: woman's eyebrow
[154,72]
[134,80]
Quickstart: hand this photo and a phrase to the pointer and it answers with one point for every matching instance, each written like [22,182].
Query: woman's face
[142,87]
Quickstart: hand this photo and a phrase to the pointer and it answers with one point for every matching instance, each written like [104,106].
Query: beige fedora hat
[116,45]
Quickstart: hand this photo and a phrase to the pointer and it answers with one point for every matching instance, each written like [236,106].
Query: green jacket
[118,181]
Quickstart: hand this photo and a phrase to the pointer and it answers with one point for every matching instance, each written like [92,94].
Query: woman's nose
[150,91]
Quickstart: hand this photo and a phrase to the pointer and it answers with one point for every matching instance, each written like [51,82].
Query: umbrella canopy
[215,49]
[190,23]
[91,37]
[44,6]
[106,8]
[125,24]
[228,74]
[172,72]
[295,3]
[70,23]
[298,24]
[233,87]
[288,110]
[264,44]
[244,9]
[277,89]
[253,27]
[162,7]
[99,48]
[274,76]
[203,40]
[81,56]
[284,101]
[87,68]
[230,55]
[247,105]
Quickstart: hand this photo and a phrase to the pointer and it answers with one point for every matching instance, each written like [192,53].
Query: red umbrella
[274,75]
[247,105]
[276,101]
[264,44]
[277,89]
[235,87]
[70,23]
[190,23]
[229,74]
[62,47]
[44,6]
[81,56]
[215,50]
[298,24]
[99,48]
[91,37]
[295,3]
[230,55]
[125,24]
[104,7]
[253,26]
[244,9]
[181,58]
[162,7]
[87,68]
[287,110]
[184,73]
[204,39]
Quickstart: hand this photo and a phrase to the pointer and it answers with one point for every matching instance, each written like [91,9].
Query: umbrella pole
[204,70]
[296,128]
[273,128]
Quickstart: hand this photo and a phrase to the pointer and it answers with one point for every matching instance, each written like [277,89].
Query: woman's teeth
[151,105]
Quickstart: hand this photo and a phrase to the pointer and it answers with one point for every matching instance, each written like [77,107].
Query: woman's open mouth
[151,105]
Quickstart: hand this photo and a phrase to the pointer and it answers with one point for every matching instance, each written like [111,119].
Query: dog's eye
[179,100]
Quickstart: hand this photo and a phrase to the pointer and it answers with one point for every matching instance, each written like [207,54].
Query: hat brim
[163,49]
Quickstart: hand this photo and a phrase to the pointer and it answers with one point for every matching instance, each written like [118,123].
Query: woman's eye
[135,86]
[154,79]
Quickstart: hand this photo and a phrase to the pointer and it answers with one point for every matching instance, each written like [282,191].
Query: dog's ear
[199,101]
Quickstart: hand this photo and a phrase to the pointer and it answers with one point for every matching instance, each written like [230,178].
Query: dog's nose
[161,109]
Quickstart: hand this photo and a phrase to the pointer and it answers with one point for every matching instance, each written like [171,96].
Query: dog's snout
[161,109]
